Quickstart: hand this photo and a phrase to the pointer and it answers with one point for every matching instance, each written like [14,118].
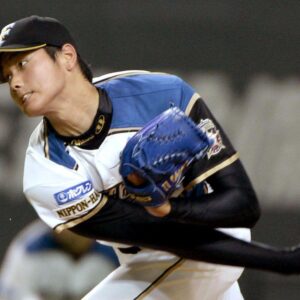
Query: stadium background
[242,56]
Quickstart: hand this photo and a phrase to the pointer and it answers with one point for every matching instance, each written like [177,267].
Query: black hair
[84,67]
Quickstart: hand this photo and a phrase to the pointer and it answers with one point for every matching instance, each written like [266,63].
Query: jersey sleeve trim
[191,104]
[120,74]
[212,171]
[60,227]
[115,75]
[125,129]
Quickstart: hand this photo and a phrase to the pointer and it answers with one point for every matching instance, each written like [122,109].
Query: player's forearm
[226,210]
[223,249]
[232,204]
[189,241]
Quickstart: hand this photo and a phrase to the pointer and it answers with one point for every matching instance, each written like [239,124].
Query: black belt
[130,250]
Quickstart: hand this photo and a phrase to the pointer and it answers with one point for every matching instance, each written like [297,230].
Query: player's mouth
[26,97]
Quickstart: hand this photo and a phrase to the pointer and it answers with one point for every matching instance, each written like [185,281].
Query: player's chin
[32,110]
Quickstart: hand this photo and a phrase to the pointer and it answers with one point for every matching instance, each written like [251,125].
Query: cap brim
[20,48]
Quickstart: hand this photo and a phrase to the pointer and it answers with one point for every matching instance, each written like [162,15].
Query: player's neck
[76,110]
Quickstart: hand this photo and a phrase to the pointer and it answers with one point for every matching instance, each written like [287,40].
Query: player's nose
[16,82]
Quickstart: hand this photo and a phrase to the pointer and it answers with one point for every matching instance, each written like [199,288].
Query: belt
[130,250]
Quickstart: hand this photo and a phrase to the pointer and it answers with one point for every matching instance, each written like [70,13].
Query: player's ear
[68,56]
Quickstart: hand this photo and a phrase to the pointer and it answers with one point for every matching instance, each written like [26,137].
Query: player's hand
[158,211]
[135,179]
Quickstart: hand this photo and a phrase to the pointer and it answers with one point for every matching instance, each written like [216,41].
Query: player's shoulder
[137,82]
[136,75]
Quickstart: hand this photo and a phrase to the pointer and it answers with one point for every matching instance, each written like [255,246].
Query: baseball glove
[160,154]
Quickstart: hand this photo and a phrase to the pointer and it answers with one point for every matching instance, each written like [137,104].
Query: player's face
[35,81]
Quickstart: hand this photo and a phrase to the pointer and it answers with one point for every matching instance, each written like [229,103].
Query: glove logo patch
[175,178]
[214,134]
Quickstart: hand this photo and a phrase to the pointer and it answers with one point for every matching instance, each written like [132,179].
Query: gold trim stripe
[22,49]
[159,279]
[124,130]
[194,98]
[210,172]
[59,228]
[46,141]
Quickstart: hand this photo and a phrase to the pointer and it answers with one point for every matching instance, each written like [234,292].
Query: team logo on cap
[5,32]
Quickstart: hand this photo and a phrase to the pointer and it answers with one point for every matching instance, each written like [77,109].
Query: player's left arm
[233,201]
[232,204]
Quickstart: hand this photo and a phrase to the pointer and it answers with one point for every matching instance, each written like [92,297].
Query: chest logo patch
[73,193]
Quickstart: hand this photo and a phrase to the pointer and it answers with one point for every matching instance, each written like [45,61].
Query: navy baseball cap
[32,33]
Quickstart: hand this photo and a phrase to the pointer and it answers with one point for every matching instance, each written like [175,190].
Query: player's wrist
[160,211]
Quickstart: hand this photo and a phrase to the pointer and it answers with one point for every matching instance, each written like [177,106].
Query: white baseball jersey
[75,181]
[68,180]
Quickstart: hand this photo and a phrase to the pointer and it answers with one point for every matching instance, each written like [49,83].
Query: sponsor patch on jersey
[73,193]
[213,133]
[80,207]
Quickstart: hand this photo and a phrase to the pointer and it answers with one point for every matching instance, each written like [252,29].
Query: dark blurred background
[243,58]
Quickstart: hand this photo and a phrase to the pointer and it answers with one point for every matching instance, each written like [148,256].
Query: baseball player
[42,264]
[192,246]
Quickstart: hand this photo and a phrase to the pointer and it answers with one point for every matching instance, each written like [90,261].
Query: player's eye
[22,63]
